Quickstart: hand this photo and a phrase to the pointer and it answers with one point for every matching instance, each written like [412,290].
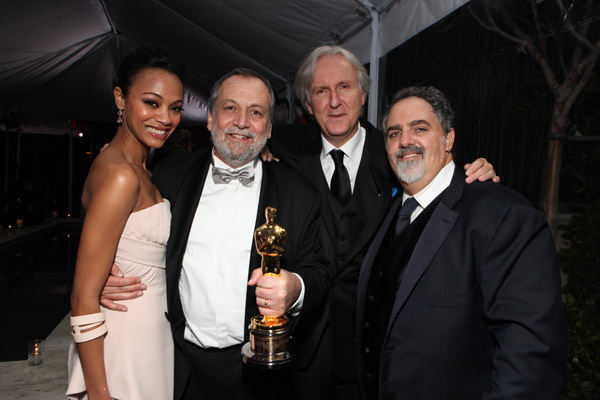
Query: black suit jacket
[180,178]
[477,314]
[346,231]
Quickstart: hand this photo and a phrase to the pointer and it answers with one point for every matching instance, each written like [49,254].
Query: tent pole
[374,71]
[372,107]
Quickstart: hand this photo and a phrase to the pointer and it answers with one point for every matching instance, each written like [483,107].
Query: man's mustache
[236,131]
[411,149]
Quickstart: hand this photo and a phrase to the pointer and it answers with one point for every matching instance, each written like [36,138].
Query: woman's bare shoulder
[111,173]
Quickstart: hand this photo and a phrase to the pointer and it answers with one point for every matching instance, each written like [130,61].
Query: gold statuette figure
[270,241]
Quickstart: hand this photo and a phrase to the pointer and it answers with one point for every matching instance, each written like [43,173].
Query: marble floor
[48,381]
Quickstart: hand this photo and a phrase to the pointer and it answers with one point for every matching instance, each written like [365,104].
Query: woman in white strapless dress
[114,354]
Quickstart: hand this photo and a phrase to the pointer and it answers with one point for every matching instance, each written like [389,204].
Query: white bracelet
[93,322]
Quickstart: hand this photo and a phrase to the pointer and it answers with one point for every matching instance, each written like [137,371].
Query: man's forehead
[245,89]
[412,110]
[413,106]
[233,100]
[344,70]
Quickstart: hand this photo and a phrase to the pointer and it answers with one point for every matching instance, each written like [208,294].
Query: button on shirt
[214,277]
[352,149]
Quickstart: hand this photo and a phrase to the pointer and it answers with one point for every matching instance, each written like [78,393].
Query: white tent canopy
[57,58]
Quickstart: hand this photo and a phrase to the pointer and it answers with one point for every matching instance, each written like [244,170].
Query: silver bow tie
[244,175]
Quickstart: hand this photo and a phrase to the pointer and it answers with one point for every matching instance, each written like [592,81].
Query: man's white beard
[410,171]
[236,155]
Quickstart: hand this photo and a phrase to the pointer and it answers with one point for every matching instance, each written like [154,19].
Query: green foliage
[581,262]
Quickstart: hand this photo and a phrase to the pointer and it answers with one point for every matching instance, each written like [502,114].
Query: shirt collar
[352,148]
[441,181]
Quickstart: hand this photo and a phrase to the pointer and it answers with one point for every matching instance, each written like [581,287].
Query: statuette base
[268,347]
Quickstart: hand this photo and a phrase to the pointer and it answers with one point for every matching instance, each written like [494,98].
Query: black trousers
[218,374]
[318,381]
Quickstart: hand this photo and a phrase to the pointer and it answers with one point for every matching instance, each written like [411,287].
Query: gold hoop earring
[119,116]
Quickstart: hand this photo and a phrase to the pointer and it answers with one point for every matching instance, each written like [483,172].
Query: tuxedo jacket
[477,314]
[180,178]
[347,231]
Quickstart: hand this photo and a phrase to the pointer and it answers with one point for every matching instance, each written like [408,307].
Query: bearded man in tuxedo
[459,296]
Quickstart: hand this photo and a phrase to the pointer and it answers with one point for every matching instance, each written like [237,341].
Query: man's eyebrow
[257,105]
[253,105]
[419,122]
[394,128]
[411,123]
[228,100]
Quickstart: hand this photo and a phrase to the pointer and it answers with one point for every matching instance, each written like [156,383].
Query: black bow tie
[244,175]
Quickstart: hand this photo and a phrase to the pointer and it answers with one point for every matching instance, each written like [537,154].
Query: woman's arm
[111,193]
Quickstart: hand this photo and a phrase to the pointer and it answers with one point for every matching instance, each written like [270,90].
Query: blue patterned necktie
[223,175]
[404,214]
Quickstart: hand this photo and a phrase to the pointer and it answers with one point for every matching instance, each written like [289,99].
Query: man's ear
[209,122]
[309,108]
[450,140]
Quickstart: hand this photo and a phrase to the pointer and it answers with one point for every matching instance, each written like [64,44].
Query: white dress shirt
[441,181]
[214,274]
[214,277]
[352,149]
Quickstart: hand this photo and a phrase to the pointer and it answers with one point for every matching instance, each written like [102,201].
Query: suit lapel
[372,192]
[268,198]
[187,202]
[183,213]
[310,160]
[435,233]
[365,270]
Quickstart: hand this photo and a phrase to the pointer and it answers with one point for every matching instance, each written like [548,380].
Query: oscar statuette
[268,347]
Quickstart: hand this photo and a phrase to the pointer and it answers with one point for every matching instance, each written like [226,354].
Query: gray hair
[308,68]
[439,103]
[246,73]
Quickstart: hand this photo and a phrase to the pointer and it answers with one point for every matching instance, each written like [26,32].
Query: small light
[80,134]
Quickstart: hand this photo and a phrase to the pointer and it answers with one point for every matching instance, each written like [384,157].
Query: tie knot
[408,207]
[338,156]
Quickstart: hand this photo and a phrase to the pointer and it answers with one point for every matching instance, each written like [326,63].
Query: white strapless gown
[138,348]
